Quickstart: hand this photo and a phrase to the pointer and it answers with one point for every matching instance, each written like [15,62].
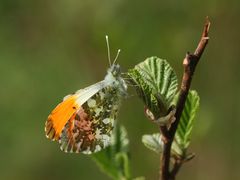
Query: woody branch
[189,64]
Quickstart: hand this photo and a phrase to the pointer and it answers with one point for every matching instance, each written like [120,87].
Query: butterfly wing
[65,110]
[89,129]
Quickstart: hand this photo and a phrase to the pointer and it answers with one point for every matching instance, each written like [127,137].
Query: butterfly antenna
[118,52]
[108,50]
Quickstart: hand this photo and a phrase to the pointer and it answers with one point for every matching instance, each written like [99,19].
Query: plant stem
[177,165]
[189,63]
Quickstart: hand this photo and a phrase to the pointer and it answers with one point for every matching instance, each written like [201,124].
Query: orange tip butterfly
[83,121]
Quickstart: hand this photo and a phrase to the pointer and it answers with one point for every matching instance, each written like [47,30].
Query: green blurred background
[51,48]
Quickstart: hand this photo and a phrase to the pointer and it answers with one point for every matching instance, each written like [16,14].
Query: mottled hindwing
[90,127]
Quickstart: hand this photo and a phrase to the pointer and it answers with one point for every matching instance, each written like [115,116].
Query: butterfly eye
[116,71]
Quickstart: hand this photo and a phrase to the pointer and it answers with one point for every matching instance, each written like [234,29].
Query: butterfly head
[115,70]
[114,78]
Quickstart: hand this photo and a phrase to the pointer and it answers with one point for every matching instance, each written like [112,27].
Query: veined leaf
[153,142]
[114,159]
[185,126]
[156,84]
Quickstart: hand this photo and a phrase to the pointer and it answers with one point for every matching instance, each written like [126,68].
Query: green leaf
[123,165]
[153,142]
[185,126]
[114,160]
[176,150]
[156,84]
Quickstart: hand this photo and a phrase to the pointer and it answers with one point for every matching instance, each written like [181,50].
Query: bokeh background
[51,48]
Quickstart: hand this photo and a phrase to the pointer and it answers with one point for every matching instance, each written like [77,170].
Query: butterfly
[83,121]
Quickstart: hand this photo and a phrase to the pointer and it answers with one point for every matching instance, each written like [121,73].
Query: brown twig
[176,167]
[189,63]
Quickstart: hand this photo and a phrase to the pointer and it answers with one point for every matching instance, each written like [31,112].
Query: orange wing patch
[60,116]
